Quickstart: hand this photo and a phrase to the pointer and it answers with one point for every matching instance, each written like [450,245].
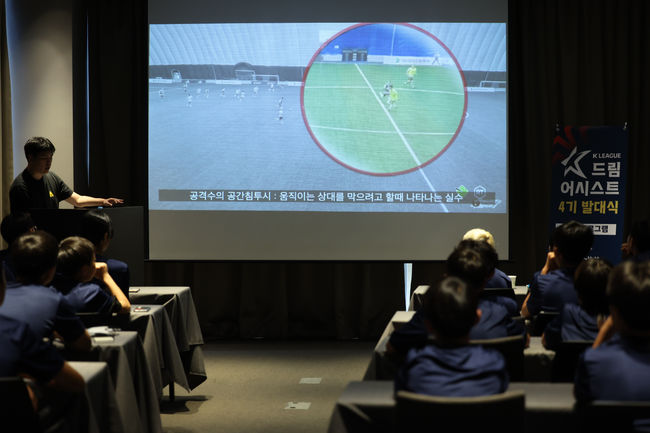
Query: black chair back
[512,349]
[16,411]
[507,292]
[495,413]
[614,416]
[563,367]
[539,322]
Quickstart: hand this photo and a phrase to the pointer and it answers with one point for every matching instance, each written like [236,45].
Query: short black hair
[472,262]
[573,240]
[629,291]
[15,224]
[94,224]
[640,233]
[74,253]
[450,307]
[32,255]
[590,281]
[36,145]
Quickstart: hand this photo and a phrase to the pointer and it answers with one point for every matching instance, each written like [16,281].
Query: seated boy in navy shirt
[499,280]
[23,354]
[29,300]
[619,368]
[552,287]
[76,271]
[473,262]
[449,365]
[582,321]
[97,227]
[637,245]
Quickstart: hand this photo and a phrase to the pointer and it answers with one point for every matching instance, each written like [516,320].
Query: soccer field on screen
[349,116]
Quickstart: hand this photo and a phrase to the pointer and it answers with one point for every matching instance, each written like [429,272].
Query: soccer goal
[245,75]
[267,79]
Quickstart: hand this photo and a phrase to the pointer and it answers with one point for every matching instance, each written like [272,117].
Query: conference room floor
[252,382]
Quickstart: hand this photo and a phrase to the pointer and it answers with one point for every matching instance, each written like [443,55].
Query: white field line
[401,89]
[406,143]
[374,131]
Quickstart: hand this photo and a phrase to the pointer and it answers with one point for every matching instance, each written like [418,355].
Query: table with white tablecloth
[136,394]
[161,351]
[179,305]
[537,359]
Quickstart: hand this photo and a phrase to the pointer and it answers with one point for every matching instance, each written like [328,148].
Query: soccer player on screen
[386,92]
[392,98]
[410,74]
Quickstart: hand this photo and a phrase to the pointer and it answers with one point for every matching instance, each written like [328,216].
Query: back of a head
[628,291]
[74,253]
[33,255]
[473,262]
[450,307]
[480,235]
[573,240]
[15,224]
[590,282]
[640,234]
[94,225]
[36,145]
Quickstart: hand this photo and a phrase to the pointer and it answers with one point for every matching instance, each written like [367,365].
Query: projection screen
[325,131]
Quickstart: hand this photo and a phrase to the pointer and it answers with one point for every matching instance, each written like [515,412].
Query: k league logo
[572,162]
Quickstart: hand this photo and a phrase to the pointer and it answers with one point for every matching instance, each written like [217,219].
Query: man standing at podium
[38,188]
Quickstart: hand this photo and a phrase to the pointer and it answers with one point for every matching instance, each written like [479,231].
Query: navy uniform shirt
[499,280]
[551,292]
[119,272]
[23,352]
[43,309]
[619,369]
[28,193]
[572,324]
[461,371]
[85,297]
[495,322]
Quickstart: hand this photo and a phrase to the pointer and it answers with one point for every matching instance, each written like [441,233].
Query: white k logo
[575,166]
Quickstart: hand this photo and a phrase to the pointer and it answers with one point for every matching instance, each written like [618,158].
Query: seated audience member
[96,226]
[499,279]
[619,369]
[449,365]
[39,188]
[552,287]
[22,353]
[76,269]
[14,225]
[471,262]
[491,258]
[637,246]
[28,299]
[581,321]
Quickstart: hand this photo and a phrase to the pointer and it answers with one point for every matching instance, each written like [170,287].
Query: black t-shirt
[28,193]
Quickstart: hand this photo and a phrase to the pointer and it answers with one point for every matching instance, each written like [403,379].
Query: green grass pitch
[350,123]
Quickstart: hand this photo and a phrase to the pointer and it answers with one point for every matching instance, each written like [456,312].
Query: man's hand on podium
[109,202]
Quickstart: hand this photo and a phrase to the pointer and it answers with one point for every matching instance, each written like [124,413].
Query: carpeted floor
[250,383]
